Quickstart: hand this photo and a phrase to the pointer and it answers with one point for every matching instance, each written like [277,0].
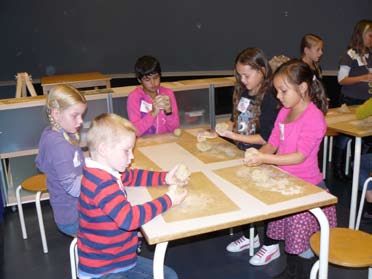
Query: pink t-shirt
[304,135]
[144,122]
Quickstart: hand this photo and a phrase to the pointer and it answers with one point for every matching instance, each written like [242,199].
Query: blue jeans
[142,270]
[69,229]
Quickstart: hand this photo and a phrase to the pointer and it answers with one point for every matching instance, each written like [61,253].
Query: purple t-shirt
[302,135]
[62,162]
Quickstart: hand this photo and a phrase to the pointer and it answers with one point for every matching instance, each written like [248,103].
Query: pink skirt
[297,229]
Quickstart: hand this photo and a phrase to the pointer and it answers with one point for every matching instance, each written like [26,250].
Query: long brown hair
[356,41]
[256,59]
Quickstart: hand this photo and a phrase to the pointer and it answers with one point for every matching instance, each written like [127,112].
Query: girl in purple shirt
[293,146]
[60,156]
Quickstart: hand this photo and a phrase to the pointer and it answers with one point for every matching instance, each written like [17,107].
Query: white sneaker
[265,255]
[242,244]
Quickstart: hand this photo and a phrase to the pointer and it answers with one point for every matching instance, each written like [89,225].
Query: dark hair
[308,41]
[256,59]
[146,65]
[296,72]
[356,41]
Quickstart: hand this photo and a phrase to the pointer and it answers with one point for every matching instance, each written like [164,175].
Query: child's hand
[226,134]
[253,157]
[177,194]
[178,175]
[163,102]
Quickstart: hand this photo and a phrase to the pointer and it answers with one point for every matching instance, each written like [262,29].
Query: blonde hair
[61,97]
[108,127]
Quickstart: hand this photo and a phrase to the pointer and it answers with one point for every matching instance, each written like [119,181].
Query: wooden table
[347,123]
[81,80]
[222,193]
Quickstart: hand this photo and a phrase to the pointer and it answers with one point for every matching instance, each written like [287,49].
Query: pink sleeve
[274,138]
[313,134]
[173,120]
[142,122]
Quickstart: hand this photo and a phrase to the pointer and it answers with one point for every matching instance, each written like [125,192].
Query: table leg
[354,189]
[324,242]
[159,255]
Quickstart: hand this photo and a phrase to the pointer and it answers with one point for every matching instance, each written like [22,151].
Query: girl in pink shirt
[151,108]
[293,146]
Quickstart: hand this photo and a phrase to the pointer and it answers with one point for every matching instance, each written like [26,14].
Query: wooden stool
[36,183]
[347,247]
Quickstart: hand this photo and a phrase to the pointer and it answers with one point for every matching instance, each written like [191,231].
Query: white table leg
[324,242]
[251,240]
[354,190]
[159,255]
[325,151]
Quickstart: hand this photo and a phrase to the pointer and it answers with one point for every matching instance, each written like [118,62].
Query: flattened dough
[203,146]
[221,127]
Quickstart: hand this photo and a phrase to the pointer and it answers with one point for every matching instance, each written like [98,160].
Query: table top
[222,192]
[70,78]
[347,123]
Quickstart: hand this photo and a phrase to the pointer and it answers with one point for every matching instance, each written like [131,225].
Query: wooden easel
[23,81]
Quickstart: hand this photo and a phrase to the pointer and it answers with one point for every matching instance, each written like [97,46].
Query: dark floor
[197,257]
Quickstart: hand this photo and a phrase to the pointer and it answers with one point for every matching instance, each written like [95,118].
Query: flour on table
[268,180]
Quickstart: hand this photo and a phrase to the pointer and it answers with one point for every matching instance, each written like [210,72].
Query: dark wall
[56,37]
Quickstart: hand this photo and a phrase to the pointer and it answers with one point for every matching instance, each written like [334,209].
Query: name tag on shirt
[281,128]
[145,106]
[76,160]
[243,104]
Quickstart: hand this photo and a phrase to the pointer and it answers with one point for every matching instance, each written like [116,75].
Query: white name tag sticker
[243,104]
[145,107]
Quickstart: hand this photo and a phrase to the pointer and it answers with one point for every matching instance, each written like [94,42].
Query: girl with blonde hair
[60,156]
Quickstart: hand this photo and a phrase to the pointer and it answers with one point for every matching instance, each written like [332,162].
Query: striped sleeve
[139,177]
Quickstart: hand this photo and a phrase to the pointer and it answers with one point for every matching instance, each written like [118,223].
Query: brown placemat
[267,183]
[221,150]
[203,199]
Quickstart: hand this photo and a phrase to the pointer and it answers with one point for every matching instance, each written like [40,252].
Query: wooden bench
[82,80]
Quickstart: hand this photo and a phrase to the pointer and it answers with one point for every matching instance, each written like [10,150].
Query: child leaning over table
[108,224]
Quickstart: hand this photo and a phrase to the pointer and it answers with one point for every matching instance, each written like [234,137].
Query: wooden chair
[36,183]
[74,259]
[347,247]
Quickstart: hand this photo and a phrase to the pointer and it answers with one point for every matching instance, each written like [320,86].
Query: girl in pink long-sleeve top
[152,108]
[293,146]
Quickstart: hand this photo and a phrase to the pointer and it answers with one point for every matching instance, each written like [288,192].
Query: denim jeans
[69,229]
[142,270]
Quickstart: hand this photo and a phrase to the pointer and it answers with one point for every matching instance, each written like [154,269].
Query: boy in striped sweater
[108,223]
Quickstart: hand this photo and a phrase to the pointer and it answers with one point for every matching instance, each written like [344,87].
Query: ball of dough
[182,173]
[221,127]
[203,146]
[177,132]
[175,189]
[249,152]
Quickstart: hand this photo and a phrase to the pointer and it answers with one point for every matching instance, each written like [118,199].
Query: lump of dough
[221,127]
[203,146]
[249,152]
[182,173]
[343,109]
[176,189]
[177,132]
